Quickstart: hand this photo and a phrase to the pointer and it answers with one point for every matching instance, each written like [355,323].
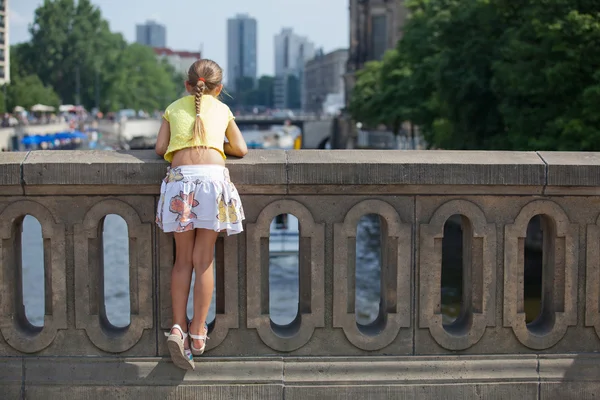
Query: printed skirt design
[199,196]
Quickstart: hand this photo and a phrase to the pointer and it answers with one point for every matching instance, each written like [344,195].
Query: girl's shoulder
[221,108]
[179,103]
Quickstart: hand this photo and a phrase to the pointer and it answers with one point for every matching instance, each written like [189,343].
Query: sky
[194,25]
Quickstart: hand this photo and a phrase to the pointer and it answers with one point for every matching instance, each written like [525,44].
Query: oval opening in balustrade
[212,309]
[115,244]
[284,266]
[368,256]
[33,280]
[537,238]
[453,267]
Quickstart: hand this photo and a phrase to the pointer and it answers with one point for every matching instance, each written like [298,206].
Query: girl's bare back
[197,156]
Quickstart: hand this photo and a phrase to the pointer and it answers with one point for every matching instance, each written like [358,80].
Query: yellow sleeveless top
[181,115]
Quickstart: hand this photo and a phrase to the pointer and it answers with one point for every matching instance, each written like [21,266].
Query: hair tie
[201,80]
[198,115]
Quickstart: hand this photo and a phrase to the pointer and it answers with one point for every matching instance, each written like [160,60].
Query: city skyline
[325,23]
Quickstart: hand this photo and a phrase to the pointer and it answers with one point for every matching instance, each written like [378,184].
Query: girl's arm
[164,135]
[237,145]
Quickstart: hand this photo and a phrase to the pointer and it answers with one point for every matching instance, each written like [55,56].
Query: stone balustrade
[488,352]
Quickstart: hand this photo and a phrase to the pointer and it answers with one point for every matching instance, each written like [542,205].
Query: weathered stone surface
[108,391]
[88,285]
[373,167]
[479,269]
[151,371]
[11,378]
[410,370]
[306,167]
[10,172]
[311,308]
[328,192]
[569,376]
[563,250]
[499,337]
[68,314]
[259,167]
[395,291]
[10,167]
[475,391]
[65,167]
[488,376]
[13,326]
[569,390]
[572,168]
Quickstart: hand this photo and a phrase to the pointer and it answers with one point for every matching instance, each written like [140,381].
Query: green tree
[25,88]
[249,94]
[294,94]
[265,95]
[136,80]
[29,90]
[245,92]
[73,50]
[549,75]
[481,74]
[365,103]
[449,46]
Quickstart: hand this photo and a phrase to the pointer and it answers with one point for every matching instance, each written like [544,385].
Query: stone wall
[489,352]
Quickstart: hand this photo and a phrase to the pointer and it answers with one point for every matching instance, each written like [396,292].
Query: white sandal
[181,356]
[195,351]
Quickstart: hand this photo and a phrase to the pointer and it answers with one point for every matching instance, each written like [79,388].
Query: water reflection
[284,281]
[115,240]
[452,269]
[368,269]
[32,262]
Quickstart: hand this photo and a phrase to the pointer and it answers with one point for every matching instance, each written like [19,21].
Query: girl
[197,199]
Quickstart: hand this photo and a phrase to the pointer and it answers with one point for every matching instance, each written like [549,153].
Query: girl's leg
[181,277]
[204,251]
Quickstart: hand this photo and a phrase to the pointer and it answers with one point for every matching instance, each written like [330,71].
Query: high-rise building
[291,53]
[151,34]
[241,50]
[4,44]
[375,27]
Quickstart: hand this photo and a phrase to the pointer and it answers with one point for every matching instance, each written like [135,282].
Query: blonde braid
[199,133]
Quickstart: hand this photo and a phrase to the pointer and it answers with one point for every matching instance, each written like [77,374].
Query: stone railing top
[299,171]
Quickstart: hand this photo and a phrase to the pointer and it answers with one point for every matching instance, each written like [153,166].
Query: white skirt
[199,196]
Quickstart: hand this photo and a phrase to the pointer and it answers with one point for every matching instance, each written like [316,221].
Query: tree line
[490,74]
[249,93]
[74,58]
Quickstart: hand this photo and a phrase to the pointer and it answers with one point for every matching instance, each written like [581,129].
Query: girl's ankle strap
[199,337]
[176,326]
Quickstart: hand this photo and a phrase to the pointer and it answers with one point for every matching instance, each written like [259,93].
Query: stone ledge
[376,167]
[470,377]
[300,371]
[10,168]
[279,171]
[296,167]
[572,168]
[140,167]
